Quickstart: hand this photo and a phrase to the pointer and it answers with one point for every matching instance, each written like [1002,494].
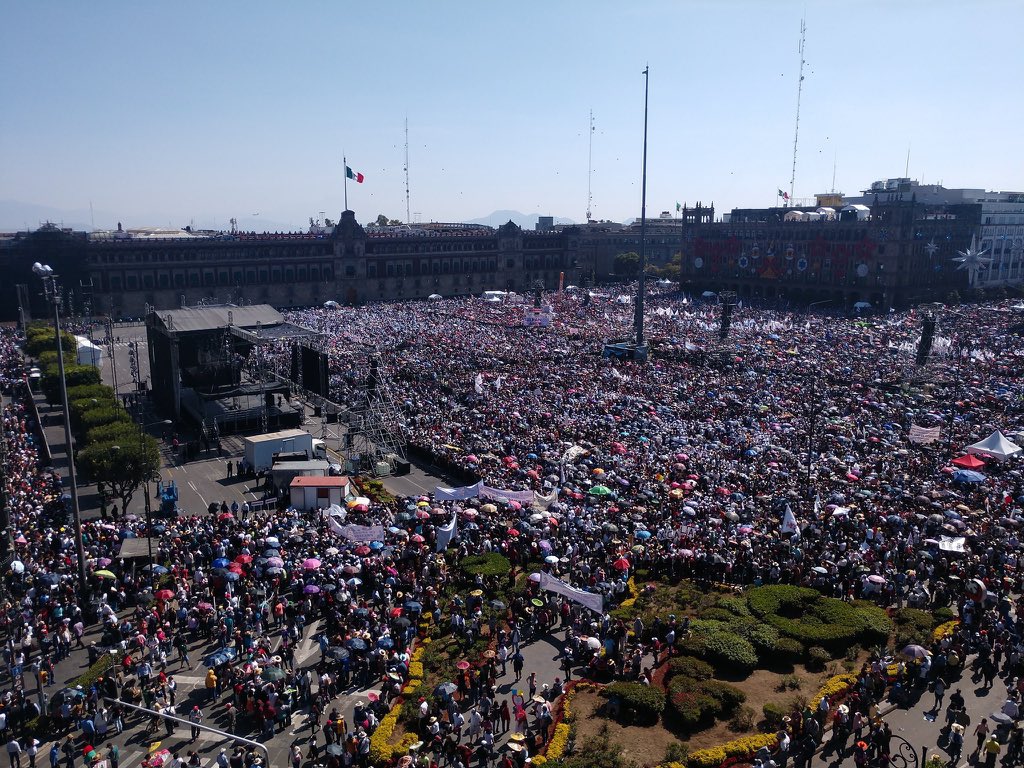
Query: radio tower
[590,165]
[407,219]
[799,91]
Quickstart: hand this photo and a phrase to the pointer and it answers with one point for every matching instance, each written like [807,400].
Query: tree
[382,220]
[627,264]
[122,466]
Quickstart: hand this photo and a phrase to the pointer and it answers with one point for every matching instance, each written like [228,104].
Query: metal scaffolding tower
[375,427]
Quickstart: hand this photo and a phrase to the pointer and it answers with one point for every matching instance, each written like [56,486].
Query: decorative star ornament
[973,261]
[931,248]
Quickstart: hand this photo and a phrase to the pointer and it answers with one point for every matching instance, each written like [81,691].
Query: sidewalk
[51,422]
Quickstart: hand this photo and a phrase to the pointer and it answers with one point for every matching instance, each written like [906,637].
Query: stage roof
[191,319]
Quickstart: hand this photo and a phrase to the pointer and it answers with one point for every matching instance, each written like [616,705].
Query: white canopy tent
[996,445]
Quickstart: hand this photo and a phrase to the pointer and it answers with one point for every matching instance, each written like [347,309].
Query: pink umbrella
[311,564]
[416,538]
[275,562]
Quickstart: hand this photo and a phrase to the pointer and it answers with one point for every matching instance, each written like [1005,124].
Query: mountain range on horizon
[18,216]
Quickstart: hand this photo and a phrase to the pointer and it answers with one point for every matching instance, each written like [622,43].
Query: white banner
[952,544]
[457,494]
[591,600]
[523,497]
[361,533]
[543,502]
[923,435]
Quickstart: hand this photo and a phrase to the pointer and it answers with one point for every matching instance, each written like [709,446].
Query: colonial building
[121,276]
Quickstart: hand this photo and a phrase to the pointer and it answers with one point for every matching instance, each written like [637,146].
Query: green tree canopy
[122,466]
[627,264]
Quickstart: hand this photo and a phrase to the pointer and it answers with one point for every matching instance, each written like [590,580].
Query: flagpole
[344,172]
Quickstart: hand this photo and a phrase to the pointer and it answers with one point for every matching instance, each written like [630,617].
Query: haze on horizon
[176,112]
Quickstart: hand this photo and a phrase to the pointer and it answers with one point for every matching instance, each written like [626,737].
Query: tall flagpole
[344,172]
[639,316]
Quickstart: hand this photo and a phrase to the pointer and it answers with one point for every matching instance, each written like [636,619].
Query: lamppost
[146,493]
[50,288]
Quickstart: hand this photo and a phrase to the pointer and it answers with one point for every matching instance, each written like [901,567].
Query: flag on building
[678,207]
[923,435]
[350,174]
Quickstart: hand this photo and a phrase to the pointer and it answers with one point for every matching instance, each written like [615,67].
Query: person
[229,467]
[981,731]
[32,751]
[195,717]
[992,749]
[956,743]
[14,752]
[940,692]
[114,756]
[54,755]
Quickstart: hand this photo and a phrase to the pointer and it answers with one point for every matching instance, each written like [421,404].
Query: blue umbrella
[157,569]
[356,644]
[643,534]
[220,657]
[968,476]
[385,642]
[413,607]
[221,562]
[376,545]
[231,576]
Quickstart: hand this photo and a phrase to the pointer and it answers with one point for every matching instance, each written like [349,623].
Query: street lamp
[46,274]
[146,494]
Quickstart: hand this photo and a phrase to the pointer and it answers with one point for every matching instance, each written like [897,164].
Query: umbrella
[497,605]
[271,553]
[205,607]
[311,564]
[103,574]
[223,656]
[157,569]
[244,559]
[413,607]
[337,653]
[445,689]
[163,594]
[968,476]
[401,623]
[819,569]
[356,644]
[915,652]
[232,576]
[551,559]
[273,674]
[600,490]
[335,750]
[275,562]
[876,579]
[220,562]
[311,589]
[384,641]
[622,564]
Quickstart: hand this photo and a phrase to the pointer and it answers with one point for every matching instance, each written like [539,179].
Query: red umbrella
[513,532]
[622,564]
[422,514]
[396,612]
[244,559]
[415,538]
[225,516]
[236,568]
[362,550]
[163,594]
[969,462]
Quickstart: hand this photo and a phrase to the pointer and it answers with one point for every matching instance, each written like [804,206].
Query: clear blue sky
[162,112]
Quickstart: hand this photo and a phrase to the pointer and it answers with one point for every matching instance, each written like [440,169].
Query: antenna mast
[799,92]
[407,219]
[590,165]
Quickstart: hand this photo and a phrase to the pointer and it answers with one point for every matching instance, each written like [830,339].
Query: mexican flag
[350,174]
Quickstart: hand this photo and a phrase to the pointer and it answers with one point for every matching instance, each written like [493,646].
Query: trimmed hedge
[773,713]
[787,650]
[730,653]
[805,615]
[693,709]
[689,666]
[728,696]
[644,702]
[490,564]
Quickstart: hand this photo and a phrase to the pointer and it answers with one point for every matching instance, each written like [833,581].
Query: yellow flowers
[945,630]
[832,687]
[416,670]
[740,748]
[556,747]
[381,750]
[634,593]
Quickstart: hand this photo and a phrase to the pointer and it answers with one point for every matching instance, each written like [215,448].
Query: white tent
[89,353]
[996,445]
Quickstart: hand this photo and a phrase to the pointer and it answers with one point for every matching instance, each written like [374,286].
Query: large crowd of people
[777,455]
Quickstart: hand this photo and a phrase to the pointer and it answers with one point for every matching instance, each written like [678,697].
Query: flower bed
[945,630]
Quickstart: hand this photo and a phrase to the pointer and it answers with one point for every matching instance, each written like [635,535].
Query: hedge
[805,615]
[490,564]
[693,708]
[689,666]
[773,713]
[728,696]
[644,702]
[96,670]
[787,650]
[730,653]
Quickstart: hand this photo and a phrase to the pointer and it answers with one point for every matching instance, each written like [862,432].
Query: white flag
[478,384]
[789,524]
[446,533]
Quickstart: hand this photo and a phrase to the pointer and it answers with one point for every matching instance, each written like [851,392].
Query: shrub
[676,753]
[807,616]
[742,719]
[728,696]
[787,650]
[643,702]
[688,666]
[737,606]
[717,614]
[730,653]
[773,714]
[818,657]
[943,614]
[490,564]
[95,671]
[790,683]
[762,636]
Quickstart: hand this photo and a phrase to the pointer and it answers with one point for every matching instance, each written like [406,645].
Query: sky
[162,113]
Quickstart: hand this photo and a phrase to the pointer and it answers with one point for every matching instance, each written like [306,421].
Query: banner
[923,435]
[446,533]
[361,533]
[523,497]
[543,502]
[457,494]
[591,600]
[952,544]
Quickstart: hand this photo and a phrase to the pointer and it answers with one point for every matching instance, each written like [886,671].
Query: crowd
[778,455]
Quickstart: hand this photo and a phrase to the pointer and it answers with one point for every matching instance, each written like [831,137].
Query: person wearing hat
[782,742]
[991,749]
[195,718]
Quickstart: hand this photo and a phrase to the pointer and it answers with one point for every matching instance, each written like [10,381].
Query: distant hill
[524,220]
